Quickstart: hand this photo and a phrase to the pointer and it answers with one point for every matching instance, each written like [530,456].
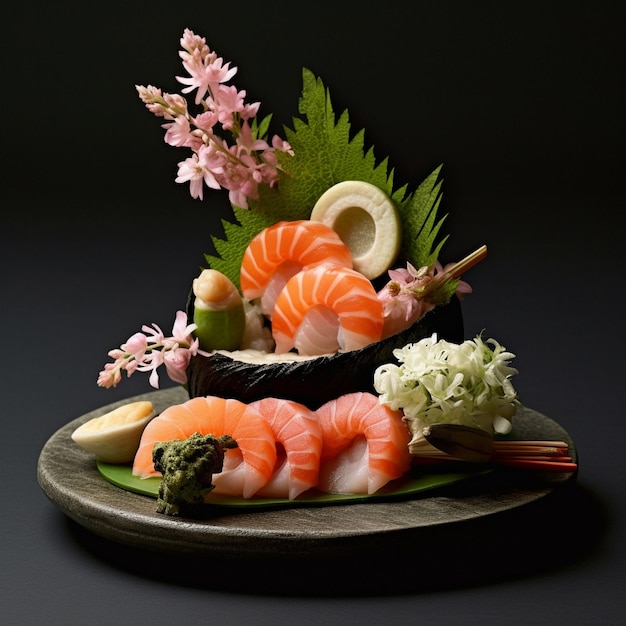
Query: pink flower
[175,103]
[248,143]
[153,99]
[154,332]
[178,133]
[226,152]
[136,345]
[110,376]
[147,351]
[205,73]
[190,42]
[161,104]
[249,110]
[176,362]
[198,172]
[206,121]
[402,301]
[150,363]
[280,144]
[181,331]
[228,101]
[401,309]
[462,288]
[238,198]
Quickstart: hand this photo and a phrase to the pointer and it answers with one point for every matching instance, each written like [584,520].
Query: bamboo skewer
[455,271]
[466,263]
[537,455]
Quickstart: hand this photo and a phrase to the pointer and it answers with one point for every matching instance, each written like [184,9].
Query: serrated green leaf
[326,152]
[238,235]
[418,212]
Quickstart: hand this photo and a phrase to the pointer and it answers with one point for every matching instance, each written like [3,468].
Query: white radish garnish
[366,220]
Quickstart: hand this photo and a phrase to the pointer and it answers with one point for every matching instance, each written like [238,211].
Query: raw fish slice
[318,332]
[345,292]
[276,284]
[246,468]
[280,251]
[365,444]
[299,436]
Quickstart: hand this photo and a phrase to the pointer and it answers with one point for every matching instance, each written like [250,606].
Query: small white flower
[442,382]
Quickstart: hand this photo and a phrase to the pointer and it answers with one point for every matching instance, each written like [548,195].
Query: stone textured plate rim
[70,479]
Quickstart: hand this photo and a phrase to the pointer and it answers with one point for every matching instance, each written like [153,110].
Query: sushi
[347,314]
[280,251]
[365,444]
[246,468]
[299,447]
[350,445]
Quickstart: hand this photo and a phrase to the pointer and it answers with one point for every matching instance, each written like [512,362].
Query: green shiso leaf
[326,153]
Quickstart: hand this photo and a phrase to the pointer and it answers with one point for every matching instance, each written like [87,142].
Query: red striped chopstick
[540,455]
[550,456]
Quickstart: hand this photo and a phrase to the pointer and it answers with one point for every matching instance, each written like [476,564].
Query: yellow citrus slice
[114,437]
[367,221]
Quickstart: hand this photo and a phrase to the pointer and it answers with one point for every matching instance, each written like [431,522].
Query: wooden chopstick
[535,455]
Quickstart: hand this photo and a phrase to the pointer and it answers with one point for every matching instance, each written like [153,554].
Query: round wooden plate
[70,478]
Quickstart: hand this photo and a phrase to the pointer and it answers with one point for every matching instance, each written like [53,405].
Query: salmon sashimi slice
[365,444]
[299,447]
[246,468]
[353,314]
[280,251]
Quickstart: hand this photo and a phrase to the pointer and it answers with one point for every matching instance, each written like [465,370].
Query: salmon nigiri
[365,444]
[299,436]
[246,468]
[283,249]
[327,308]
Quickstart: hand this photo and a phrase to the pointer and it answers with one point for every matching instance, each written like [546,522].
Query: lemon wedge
[114,437]
[367,221]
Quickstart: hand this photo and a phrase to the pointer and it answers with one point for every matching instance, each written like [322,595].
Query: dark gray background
[524,105]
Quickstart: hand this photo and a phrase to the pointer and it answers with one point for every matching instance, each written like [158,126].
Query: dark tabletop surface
[523,104]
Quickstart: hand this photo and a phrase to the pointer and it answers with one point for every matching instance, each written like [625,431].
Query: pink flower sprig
[148,350]
[229,150]
[405,297]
